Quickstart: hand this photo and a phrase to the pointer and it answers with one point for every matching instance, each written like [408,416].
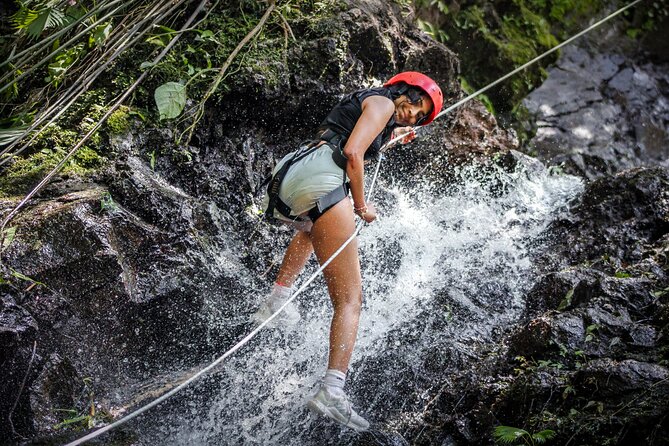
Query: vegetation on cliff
[491,38]
[65,63]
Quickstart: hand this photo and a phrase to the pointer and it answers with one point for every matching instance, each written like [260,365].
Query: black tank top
[345,115]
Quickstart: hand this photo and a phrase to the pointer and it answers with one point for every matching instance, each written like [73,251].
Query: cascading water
[441,275]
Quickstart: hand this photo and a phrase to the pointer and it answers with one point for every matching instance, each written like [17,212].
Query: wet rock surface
[589,362]
[603,108]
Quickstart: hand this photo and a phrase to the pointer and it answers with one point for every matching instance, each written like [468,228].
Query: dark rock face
[617,218]
[602,110]
[18,330]
[121,295]
[590,359]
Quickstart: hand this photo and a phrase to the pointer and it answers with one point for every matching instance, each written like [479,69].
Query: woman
[309,190]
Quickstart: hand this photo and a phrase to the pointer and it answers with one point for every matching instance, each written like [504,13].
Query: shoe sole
[318,408]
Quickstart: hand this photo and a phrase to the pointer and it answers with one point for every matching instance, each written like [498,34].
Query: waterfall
[442,275]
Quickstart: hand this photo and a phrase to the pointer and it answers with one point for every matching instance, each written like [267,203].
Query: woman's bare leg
[343,278]
[298,252]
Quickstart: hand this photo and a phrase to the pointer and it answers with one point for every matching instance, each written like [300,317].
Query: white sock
[280,294]
[334,381]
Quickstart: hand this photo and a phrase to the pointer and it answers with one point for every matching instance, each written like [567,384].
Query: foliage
[514,435]
[107,203]
[46,16]
[647,19]
[516,31]
[85,417]
[49,150]
[65,50]
[170,99]
[7,237]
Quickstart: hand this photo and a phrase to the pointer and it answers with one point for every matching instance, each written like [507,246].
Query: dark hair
[402,88]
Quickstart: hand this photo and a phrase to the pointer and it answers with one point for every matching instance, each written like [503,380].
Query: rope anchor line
[358,228]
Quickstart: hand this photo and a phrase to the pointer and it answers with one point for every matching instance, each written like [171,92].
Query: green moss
[118,122]
[467,88]
[47,151]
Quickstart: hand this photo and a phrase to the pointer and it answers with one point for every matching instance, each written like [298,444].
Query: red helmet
[426,84]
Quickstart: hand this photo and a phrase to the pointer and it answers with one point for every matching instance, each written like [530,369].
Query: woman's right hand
[369,214]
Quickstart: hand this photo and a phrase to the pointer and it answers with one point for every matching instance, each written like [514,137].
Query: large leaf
[170,99]
[100,34]
[46,18]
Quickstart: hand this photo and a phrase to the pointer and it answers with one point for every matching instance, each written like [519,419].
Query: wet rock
[615,219]
[18,331]
[123,296]
[593,113]
[607,378]
[469,135]
[563,289]
[548,334]
[58,393]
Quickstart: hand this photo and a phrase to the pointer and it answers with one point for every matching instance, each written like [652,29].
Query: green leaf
[7,136]
[543,436]
[46,18]
[656,293]
[8,237]
[508,434]
[100,34]
[145,65]
[566,302]
[170,99]
[207,33]
[71,421]
[24,17]
[62,62]
[18,275]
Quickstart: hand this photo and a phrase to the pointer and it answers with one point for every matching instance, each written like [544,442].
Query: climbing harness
[358,227]
[328,139]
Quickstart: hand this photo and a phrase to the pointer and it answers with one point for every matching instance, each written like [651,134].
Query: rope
[358,227]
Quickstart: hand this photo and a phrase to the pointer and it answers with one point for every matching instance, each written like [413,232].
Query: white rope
[358,227]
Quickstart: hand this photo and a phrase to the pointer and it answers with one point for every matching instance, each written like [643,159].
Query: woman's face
[408,113]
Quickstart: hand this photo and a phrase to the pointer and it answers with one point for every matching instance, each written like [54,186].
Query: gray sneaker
[337,408]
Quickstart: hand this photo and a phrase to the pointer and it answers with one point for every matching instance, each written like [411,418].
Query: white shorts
[307,181]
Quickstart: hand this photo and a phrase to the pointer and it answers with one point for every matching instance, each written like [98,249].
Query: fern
[543,436]
[513,435]
[23,17]
[509,435]
[34,22]
[7,136]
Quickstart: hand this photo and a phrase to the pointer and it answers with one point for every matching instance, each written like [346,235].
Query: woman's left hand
[409,131]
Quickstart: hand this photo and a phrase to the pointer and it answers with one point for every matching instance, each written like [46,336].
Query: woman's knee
[349,302]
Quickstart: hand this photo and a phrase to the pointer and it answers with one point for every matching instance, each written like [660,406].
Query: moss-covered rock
[493,37]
